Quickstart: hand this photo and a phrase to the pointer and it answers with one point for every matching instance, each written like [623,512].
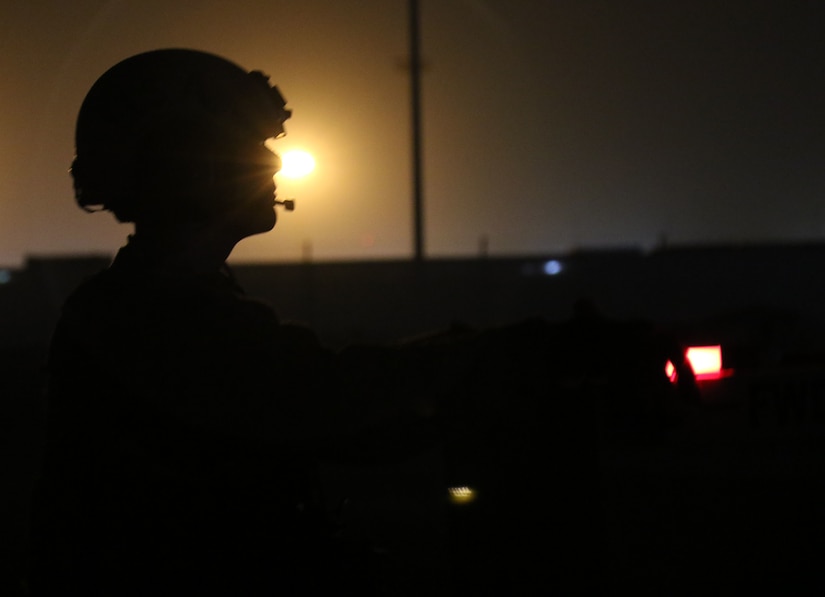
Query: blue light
[5,276]
[552,267]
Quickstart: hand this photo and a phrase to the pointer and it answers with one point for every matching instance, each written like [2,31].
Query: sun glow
[296,164]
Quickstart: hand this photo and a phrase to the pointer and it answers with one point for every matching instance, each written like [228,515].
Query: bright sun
[296,163]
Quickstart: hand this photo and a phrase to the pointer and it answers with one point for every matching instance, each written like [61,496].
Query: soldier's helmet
[159,134]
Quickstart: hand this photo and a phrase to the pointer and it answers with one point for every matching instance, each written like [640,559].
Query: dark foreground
[716,504]
[714,507]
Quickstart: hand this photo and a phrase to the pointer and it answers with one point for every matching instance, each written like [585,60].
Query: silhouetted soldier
[184,417]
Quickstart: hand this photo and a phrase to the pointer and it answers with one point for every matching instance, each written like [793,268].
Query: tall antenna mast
[415,89]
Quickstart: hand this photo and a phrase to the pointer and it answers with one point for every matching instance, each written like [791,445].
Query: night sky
[548,125]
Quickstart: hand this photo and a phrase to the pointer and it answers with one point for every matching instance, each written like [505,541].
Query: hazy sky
[548,125]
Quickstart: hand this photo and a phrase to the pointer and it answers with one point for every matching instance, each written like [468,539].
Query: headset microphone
[289,204]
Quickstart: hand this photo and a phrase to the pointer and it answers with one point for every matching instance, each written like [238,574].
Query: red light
[706,362]
[670,371]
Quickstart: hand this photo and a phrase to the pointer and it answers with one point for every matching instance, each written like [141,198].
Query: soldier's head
[174,137]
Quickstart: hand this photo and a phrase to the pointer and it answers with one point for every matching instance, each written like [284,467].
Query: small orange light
[461,495]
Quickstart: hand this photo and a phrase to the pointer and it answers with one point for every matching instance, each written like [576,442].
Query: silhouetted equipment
[289,204]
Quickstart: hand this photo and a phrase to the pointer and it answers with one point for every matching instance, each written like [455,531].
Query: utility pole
[415,89]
